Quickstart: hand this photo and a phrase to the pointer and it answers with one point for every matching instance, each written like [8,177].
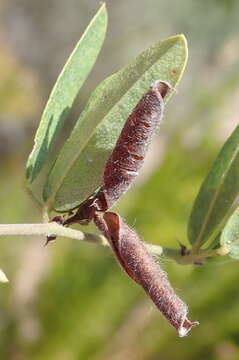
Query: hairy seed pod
[130,150]
[128,155]
[141,267]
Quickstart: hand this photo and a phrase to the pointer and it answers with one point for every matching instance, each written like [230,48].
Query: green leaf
[230,235]
[68,84]
[78,169]
[217,193]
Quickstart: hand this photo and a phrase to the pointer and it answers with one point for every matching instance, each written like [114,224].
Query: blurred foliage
[70,300]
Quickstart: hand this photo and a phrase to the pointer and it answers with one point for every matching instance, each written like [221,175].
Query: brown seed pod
[141,267]
[128,155]
[130,150]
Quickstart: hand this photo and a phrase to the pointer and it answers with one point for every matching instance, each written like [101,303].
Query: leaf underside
[78,168]
[217,193]
[66,88]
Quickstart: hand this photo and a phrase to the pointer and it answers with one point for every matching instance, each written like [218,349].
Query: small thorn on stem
[59,220]
[184,250]
[49,239]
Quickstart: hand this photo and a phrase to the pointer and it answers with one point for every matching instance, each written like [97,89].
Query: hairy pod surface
[130,150]
[139,264]
[128,155]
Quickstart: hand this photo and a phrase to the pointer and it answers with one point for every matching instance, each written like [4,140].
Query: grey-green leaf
[230,235]
[78,169]
[67,86]
[217,194]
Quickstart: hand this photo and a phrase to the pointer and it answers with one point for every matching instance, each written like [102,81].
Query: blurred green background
[70,300]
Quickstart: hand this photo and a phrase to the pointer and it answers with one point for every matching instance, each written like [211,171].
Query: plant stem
[162,251]
[55,229]
[49,229]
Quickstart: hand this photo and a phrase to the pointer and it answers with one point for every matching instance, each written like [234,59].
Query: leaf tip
[185,41]
[103,9]
[183,37]
[102,5]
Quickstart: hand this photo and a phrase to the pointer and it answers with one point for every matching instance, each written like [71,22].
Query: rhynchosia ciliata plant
[103,155]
